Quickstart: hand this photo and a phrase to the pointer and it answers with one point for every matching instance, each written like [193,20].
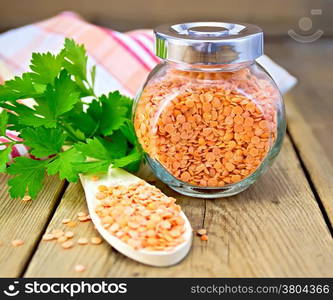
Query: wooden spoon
[153,258]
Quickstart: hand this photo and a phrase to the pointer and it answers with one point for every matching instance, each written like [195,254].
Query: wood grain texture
[273,17]
[25,221]
[318,163]
[309,110]
[50,260]
[273,229]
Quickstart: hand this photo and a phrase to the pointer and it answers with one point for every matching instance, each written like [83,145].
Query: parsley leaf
[43,141]
[98,148]
[92,166]
[45,67]
[94,148]
[24,116]
[29,175]
[18,88]
[134,166]
[75,59]
[114,112]
[108,152]
[3,122]
[116,144]
[57,99]
[4,157]
[64,165]
[93,76]
[54,102]
[128,131]
[74,135]
[94,111]
[99,134]
[83,122]
[126,160]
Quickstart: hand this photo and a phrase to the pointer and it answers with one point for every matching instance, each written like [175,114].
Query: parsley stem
[86,103]
[12,141]
[9,143]
[91,90]
[69,130]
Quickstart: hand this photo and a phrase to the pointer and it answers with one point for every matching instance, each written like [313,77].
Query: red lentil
[26,198]
[204,237]
[69,234]
[82,241]
[48,237]
[71,224]
[67,244]
[96,240]
[84,218]
[57,233]
[142,216]
[81,214]
[201,231]
[209,133]
[79,268]
[62,239]
[17,243]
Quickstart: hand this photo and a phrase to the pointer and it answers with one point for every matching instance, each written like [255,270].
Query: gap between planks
[25,221]
[309,111]
[312,186]
[47,221]
[316,164]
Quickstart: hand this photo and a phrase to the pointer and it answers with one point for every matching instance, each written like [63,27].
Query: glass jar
[209,118]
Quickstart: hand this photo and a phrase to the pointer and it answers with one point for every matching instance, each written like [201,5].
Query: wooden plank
[50,260]
[317,162]
[273,229]
[309,110]
[128,14]
[26,221]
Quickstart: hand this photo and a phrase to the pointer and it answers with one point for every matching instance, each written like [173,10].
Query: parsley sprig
[96,131]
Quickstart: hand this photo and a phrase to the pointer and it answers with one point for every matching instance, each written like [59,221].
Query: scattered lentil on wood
[69,234]
[201,231]
[82,241]
[48,237]
[79,268]
[17,243]
[96,240]
[67,244]
[204,237]
[26,198]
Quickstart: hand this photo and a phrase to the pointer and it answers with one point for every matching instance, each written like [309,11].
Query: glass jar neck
[209,68]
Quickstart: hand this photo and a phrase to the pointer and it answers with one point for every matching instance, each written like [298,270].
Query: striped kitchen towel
[123,60]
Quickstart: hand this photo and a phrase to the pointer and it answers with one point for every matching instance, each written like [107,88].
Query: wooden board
[278,227]
[317,162]
[25,221]
[98,259]
[273,229]
[309,111]
[274,18]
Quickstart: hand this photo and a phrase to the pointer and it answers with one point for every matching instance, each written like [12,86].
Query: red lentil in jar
[209,118]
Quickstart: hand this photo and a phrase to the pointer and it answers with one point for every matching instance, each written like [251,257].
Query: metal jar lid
[209,42]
